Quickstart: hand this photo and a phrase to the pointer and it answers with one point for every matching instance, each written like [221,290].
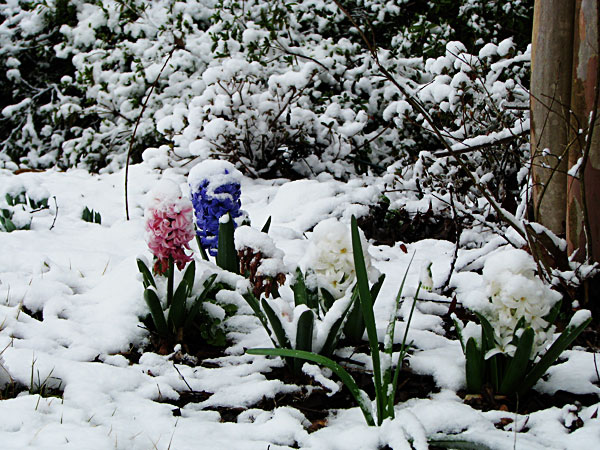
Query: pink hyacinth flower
[169,227]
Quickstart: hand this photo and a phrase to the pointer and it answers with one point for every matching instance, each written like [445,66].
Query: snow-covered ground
[83,279]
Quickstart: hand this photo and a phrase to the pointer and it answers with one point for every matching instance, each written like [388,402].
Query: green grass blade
[359,395]
[403,348]
[158,316]
[366,303]
[560,345]
[226,255]
[517,367]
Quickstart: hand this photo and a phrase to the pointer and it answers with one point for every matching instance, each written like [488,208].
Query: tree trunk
[551,66]
[583,186]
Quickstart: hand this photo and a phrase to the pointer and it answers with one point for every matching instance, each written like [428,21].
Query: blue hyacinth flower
[215,190]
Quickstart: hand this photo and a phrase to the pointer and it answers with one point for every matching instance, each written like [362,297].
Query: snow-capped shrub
[278,88]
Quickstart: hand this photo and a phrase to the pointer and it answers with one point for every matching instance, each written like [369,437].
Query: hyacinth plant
[385,377]
[20,205]
[331,273]
[215,192]
[517,327]
[308,316]
[169,230]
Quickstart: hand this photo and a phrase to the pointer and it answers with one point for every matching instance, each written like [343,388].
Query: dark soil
[312,400]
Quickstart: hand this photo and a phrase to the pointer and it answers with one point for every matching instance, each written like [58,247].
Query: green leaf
[255,305]
[195,308]
[553,314]
[226,255]
[147,277]
[550,357]
[359,395]
[9,226]
[85,215]
[517,367]
[201,248]
[377,286]
[328,299]
[188,276]
[474,366]
[266,226]
[299,288]
[488,343]
[366,303]
[332,337]
[304,336]
[276,326]
[355,325]
[280,336]
[158,316]
[177,309]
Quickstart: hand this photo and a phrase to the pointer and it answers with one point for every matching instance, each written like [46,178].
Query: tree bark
[583,187]
[551,67]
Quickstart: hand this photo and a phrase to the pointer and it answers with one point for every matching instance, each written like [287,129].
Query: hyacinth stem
[202,251]
[170,280]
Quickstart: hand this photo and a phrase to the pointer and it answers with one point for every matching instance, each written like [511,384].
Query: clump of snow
[271,263]
[216,173]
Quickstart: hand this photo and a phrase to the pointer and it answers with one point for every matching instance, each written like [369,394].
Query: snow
[81,281]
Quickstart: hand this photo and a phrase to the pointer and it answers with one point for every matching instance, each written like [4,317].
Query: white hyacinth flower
[516,293]
[329,260]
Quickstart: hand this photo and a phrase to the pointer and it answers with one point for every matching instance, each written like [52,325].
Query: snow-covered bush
[278,88]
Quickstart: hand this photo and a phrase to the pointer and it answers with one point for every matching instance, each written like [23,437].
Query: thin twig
[56,213]
[137,123]
[183,378]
